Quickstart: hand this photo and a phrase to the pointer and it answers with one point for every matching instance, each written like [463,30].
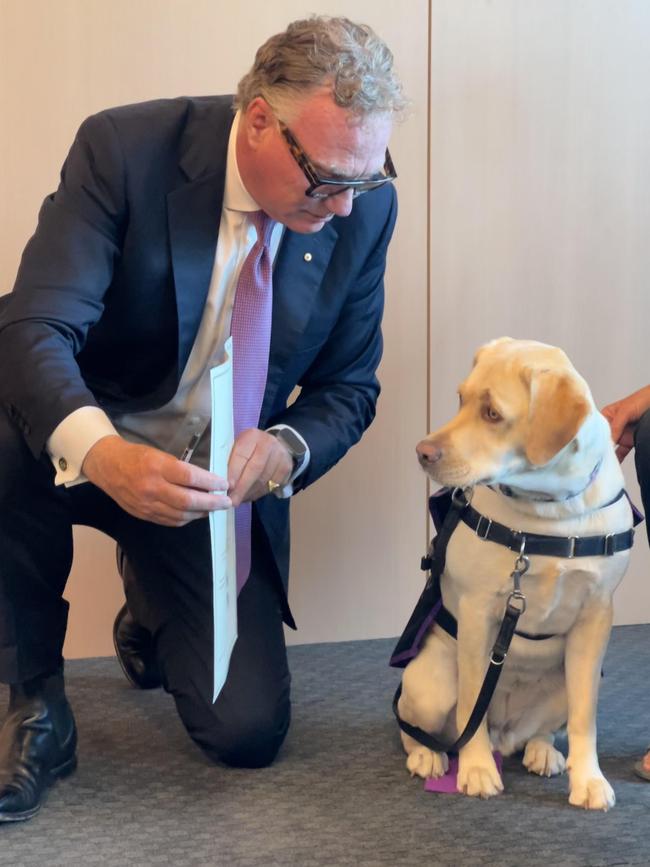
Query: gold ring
[272,486]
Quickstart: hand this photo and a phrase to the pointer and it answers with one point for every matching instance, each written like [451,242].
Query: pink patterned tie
[251,336]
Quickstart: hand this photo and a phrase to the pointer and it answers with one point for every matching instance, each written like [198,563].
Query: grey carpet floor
[338,795]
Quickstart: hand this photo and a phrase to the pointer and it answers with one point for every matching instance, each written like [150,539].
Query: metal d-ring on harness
[515,607]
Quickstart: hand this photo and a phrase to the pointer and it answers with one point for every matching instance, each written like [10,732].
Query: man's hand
[256,458]
[623,416]
[152,485]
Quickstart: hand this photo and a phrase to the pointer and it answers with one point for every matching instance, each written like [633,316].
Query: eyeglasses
[334,186]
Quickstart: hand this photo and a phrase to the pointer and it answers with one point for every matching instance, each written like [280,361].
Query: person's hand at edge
[623,416]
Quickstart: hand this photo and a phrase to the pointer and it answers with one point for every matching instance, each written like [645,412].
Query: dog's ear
[558,407]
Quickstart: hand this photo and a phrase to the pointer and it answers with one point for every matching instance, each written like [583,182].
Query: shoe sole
[58,773]
[64,770]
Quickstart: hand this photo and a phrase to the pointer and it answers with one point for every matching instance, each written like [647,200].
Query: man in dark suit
[123,301]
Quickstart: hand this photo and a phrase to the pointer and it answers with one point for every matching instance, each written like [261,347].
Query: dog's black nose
[428,453]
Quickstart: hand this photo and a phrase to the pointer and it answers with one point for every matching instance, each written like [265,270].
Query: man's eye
[490,414]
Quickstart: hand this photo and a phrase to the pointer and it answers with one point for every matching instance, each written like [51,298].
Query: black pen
[189,448]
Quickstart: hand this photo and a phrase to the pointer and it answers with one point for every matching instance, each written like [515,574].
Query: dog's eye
[490,414]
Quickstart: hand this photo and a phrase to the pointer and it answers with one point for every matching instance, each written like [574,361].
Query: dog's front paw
[541,757]
[424,763]
[479,780]
[593,793]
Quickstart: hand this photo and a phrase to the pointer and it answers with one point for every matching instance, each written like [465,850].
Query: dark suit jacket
[111,289]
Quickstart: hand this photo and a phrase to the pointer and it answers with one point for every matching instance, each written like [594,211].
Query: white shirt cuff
[73,438]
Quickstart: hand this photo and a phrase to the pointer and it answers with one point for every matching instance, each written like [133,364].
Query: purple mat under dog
[447,784]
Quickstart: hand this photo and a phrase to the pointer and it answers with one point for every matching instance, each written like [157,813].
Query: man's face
[338,145]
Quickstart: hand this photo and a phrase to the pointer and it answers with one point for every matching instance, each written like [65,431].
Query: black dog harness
[549,546]
[448,508]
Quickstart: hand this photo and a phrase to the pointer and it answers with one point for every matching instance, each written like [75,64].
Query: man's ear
[259,119]
[557,409]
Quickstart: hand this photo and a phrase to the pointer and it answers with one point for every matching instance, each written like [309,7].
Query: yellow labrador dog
[538,455]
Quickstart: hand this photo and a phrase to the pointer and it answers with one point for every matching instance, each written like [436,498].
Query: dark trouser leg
[38,734]
[642,460]
[172,597]
[169,591]
[36,521]
[35,559]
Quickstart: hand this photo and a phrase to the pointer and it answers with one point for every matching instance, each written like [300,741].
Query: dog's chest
[555,592]
[556,589]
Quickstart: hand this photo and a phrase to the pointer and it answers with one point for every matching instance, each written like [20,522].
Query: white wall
[533,224]
[540,197]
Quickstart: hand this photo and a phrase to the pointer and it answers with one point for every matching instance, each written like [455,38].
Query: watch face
[295,446]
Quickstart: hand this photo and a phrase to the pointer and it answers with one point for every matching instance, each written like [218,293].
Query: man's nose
[341,204]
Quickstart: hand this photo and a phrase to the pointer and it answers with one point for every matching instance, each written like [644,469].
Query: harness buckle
[483,534]
[517,595]
[427,561]
[609,545]
[572,546]
[462,497]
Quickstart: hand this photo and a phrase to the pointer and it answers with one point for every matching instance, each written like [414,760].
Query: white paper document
[222,524]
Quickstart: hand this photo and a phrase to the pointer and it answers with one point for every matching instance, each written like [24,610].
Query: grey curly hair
[324,51]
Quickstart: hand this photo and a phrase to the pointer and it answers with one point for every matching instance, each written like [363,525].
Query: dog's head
[521,410]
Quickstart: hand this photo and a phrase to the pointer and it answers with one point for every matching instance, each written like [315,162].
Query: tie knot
[263,225]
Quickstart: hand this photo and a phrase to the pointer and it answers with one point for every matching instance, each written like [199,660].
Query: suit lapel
[194,213]
[300,265]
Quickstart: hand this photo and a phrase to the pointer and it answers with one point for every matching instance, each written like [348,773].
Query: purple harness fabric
[251,335]
[430,601]
[637,514]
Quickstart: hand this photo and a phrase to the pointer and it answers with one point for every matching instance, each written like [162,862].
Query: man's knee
[251,742]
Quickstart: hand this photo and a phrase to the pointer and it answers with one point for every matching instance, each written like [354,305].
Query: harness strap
[436,561]
[550,546]
[497,657]
[446,620]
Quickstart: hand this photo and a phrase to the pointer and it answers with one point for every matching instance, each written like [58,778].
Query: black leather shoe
[38,743]
[135,651]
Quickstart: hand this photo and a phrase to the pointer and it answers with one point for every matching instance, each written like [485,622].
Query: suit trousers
[642,461]
[168,584]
